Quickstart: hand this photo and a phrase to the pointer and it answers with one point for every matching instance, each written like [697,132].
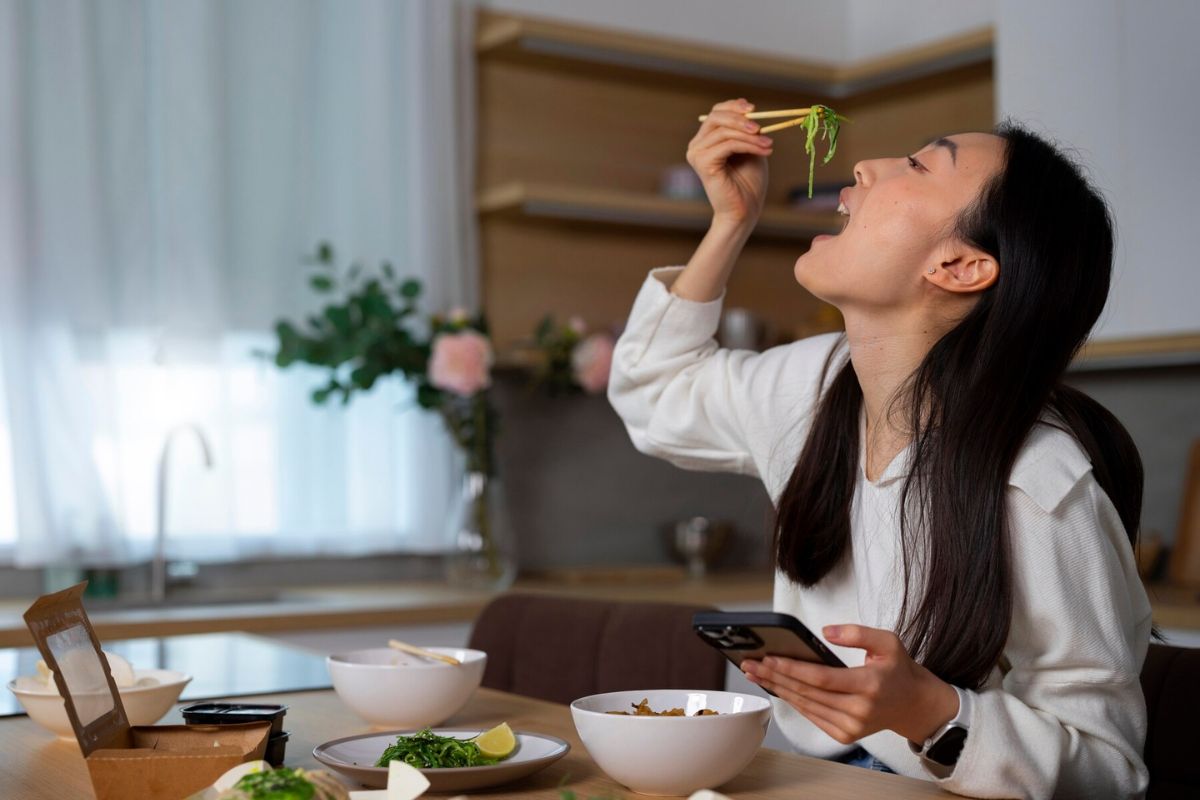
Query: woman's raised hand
[730,157]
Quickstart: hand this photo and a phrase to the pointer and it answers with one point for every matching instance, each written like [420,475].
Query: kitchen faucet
[158,567]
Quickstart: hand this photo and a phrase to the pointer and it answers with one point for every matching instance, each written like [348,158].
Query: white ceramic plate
[355,756]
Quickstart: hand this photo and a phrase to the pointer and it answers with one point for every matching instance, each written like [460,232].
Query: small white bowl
[672,756]
[144,705]
[390,689]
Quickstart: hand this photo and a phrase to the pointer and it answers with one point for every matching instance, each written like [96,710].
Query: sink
[185,598]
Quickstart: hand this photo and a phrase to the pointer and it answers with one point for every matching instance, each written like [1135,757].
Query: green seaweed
[827,122]
[426,750]
[276,784]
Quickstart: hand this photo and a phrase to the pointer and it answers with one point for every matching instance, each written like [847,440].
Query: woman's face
[899,210]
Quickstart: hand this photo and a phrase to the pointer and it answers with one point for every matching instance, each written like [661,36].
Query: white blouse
[1069,718]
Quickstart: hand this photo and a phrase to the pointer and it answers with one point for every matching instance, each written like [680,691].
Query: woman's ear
[964,272]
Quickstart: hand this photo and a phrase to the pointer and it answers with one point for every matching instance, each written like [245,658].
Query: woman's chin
[810,263]
[814,273]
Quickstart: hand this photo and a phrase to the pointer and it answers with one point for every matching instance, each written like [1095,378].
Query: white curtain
[164,166]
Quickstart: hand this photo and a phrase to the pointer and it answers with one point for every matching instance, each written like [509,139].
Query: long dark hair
[970,406]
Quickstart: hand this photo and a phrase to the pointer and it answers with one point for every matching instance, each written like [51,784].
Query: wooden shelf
[642,210]
[1139,352]
[523,39]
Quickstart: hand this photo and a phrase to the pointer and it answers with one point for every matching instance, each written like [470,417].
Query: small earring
[932,270]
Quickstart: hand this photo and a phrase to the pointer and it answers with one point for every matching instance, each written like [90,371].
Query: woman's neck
[885,353]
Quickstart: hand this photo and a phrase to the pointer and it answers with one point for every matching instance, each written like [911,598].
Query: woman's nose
[862,173]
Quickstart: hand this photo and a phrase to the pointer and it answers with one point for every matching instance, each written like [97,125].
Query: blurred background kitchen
[210,211]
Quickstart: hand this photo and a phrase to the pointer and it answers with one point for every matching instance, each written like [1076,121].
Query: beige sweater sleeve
[702,407]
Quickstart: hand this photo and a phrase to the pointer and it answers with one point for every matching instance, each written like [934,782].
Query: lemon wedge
[499,742]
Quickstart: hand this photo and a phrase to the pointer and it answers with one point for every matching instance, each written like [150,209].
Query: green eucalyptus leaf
[321,395]
[364,377]
[339,317]
[428,396]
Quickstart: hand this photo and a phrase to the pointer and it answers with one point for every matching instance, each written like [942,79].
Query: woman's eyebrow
[949,145]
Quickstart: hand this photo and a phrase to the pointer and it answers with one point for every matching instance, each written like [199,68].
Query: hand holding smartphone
[740,635]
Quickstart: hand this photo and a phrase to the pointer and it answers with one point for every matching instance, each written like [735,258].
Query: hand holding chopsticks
[816,118]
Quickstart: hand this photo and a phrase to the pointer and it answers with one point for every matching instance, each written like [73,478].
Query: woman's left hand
[889,691]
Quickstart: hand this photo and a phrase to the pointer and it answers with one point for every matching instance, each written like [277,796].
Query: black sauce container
[275,747]
[232,713]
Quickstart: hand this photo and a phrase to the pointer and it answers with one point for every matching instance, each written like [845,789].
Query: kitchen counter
[422,603]
[409,603]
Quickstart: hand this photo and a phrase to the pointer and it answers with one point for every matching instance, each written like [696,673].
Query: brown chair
[559,648]
[1171,683]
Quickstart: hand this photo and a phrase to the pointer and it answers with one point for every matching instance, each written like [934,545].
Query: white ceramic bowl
[390,689]
[672,755]
[144,705]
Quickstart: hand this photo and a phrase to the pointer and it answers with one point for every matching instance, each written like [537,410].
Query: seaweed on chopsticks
[828,123]
[817,120]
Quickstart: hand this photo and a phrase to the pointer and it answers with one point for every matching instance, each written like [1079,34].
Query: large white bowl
[672,755]
[390,689]
[144,705]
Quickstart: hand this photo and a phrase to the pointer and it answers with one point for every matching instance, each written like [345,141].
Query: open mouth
[845,213]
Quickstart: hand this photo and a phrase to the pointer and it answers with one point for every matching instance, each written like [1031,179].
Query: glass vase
[481,551]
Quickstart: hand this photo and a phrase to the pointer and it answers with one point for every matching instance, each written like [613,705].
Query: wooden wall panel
[900,120]
[552,125]
[536,267]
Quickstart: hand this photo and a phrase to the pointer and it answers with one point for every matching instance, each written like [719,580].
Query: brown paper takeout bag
[147,762]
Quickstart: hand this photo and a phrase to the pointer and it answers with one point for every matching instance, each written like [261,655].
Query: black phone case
[754,634]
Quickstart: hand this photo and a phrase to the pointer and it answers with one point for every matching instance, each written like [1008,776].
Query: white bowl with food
[392,689]
[146,694]
[672,755]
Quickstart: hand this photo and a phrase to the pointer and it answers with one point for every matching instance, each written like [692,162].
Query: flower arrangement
[371,328]
[373,331]
[572,359]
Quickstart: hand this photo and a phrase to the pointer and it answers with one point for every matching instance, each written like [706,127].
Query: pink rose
[577,325]
[460,362]
[591,361]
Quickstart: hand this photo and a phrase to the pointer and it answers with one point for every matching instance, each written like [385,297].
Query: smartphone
[754,634]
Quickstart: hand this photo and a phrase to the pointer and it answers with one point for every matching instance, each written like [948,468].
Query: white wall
[1118,80]
[878,27]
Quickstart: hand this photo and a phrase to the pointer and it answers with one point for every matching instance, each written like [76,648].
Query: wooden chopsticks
[786,112]
[404,647]
[799,113]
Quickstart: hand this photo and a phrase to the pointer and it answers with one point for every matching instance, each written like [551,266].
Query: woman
[955,521]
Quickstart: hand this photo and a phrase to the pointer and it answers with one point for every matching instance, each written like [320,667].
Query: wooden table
[36,766]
